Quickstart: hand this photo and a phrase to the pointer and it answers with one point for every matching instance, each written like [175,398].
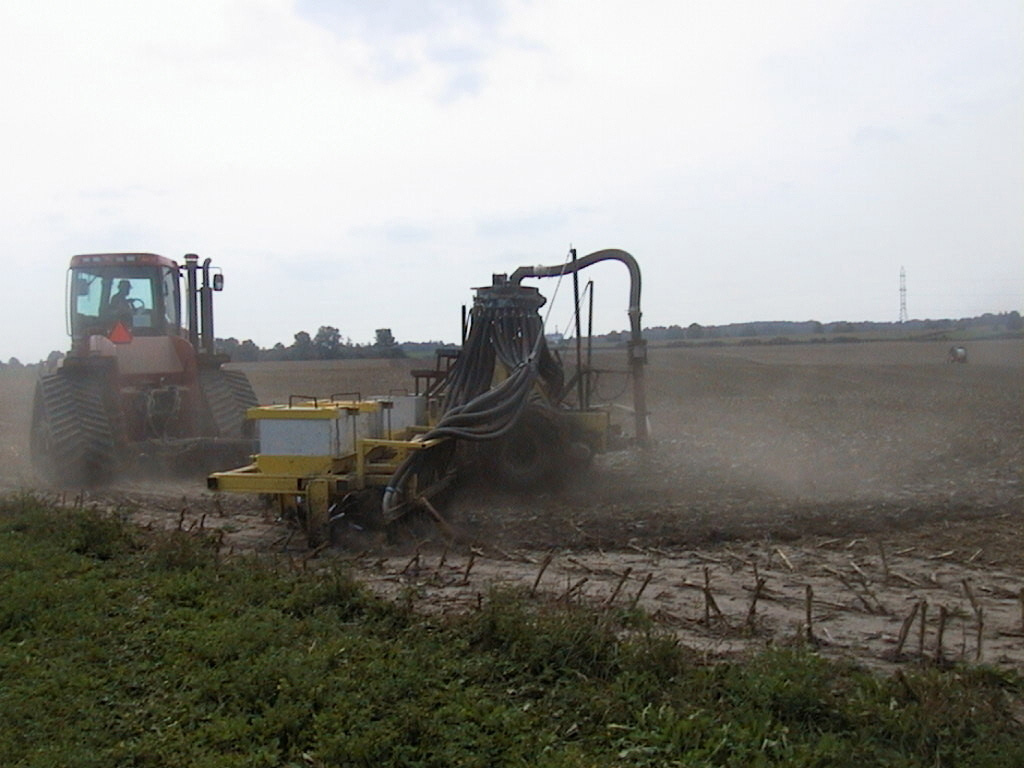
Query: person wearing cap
[120,306]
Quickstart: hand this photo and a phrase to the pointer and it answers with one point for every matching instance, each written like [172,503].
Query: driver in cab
[120,306]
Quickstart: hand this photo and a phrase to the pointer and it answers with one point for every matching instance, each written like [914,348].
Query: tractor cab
[123,295]
[120,298]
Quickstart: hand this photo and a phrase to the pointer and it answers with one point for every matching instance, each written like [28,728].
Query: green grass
[123,647]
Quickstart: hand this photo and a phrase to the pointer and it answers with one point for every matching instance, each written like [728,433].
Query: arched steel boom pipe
[637,345]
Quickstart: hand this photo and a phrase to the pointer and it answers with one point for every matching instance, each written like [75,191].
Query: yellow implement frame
[313,453]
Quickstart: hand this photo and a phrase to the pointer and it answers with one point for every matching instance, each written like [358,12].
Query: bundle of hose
[497,334]
[492,413]
[476,410]
[504,329]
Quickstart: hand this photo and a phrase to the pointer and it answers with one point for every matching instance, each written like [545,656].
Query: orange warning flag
[119,334]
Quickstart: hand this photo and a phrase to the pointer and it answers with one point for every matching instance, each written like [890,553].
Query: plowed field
[866,496]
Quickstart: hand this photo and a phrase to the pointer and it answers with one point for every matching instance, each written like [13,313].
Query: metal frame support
[318,501]
[637,347]
[192,285]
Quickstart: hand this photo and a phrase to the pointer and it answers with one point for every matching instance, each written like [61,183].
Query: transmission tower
[903,295]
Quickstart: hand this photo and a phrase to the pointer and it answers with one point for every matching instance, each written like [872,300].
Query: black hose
[506,329]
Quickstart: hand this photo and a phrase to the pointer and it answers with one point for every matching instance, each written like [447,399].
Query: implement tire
[528,458]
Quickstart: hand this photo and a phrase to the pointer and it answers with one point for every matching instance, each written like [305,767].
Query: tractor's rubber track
[72,437]
[227,394]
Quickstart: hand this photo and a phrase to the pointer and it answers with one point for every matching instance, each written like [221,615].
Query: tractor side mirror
[218,281]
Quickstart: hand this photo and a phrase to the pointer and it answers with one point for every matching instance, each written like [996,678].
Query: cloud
[872,134]
[539,222]
[402,39]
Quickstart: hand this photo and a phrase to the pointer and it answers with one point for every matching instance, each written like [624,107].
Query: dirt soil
[863,497]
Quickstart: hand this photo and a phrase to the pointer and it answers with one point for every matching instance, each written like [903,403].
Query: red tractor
[139,388]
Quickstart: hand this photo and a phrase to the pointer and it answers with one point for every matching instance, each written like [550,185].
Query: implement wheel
[531,455]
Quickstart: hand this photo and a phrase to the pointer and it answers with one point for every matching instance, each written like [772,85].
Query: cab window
[102,297]
[170,288]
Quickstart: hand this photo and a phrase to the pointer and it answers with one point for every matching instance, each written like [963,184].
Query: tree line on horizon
[326,344]
[1003,321]
[329,344]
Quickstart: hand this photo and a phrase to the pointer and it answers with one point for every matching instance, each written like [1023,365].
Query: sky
[367,164]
